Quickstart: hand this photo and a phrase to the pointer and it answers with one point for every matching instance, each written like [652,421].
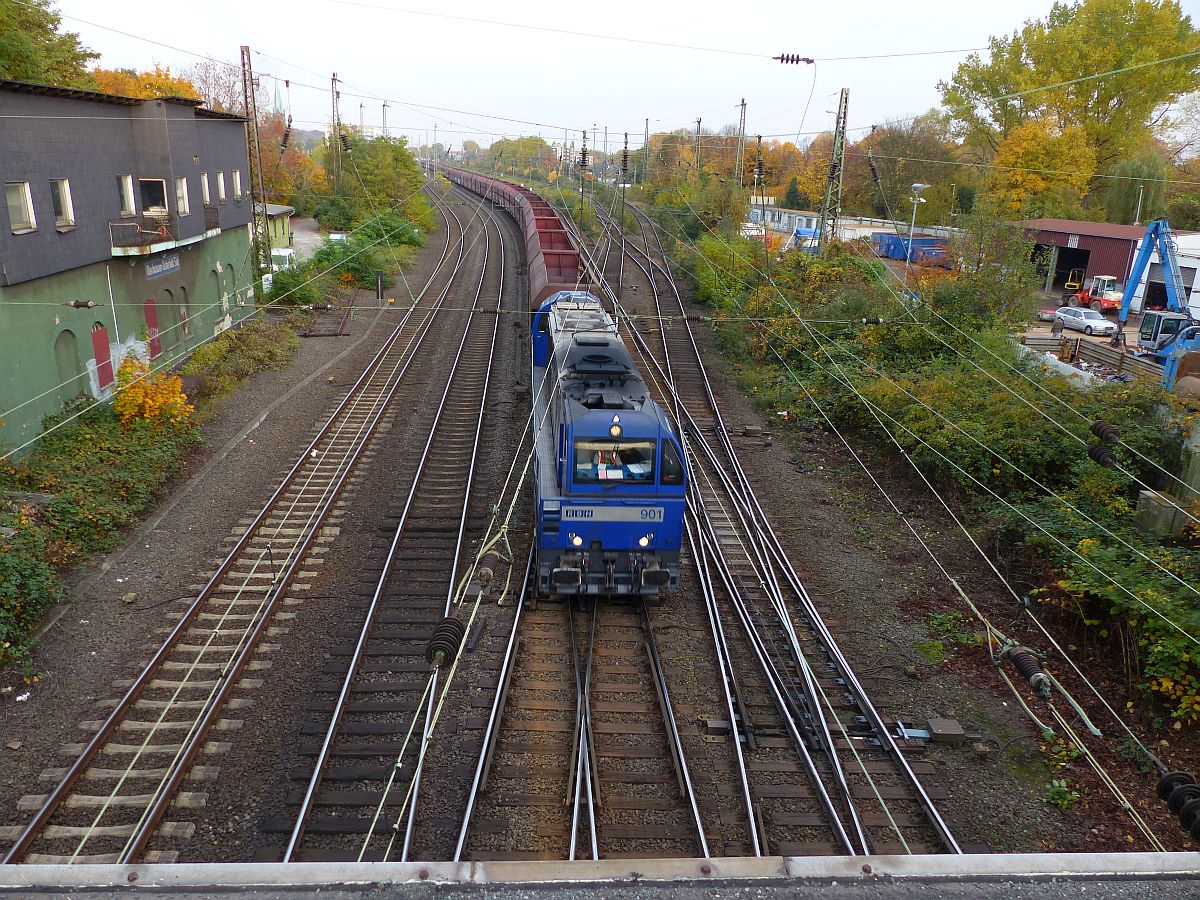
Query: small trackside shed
[1098,248]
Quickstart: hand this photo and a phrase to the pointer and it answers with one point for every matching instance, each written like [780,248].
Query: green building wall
[46,348]
[280,230]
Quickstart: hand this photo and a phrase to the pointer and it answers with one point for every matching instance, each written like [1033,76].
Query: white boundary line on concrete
[842,869]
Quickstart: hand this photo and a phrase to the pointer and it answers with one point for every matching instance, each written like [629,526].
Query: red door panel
[104,369]
[151,312]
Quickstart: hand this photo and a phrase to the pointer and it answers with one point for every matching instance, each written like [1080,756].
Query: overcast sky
[386,49]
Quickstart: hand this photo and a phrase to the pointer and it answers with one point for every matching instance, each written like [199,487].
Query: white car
[1083,319]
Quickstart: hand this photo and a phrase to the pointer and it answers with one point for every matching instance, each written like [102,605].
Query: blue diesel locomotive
[609,471]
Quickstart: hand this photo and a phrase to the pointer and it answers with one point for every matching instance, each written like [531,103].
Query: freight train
[609,474]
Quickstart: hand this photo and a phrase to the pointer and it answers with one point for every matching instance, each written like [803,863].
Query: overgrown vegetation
[75,495]
[221,365]
[1065,527]
[90,479]
[379,244]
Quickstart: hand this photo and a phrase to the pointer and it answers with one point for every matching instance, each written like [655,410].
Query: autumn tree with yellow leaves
[148,85]
[1041,170]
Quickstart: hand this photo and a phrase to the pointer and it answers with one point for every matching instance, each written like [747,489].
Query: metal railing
[142,231]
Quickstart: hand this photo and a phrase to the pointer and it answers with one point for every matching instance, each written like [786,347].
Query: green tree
[32,48]
[377,174]
[997,277]
[793,199]
[1042,171]
[1047,69]
[1184,212]
[1135,189]
[903,153]
[521,156]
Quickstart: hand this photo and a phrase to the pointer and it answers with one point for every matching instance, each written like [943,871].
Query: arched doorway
[185,326]
[232,283]
[66,360]
[218,294]
[169,326]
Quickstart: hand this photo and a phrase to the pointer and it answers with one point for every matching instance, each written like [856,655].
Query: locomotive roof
[596,371]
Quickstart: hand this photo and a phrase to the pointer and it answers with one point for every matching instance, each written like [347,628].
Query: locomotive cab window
[603,461]
[672,465]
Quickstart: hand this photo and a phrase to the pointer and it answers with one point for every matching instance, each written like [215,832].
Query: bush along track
[74,495]
[1064,526]
[223,364]
[91,478]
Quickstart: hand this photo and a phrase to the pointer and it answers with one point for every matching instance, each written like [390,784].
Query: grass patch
[222,365]
[98,476]
[932,651]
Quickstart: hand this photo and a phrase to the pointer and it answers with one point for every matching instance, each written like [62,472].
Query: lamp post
[916,199]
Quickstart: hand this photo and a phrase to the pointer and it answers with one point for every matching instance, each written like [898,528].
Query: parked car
[1083,319]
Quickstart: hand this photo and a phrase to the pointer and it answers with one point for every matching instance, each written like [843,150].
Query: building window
[182,206]
[237,184]
[20,207]
[204,188]
[221,186]
[125,186]
[64,210]
[154,196]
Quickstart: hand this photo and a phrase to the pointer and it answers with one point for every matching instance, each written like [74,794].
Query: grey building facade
[127,230]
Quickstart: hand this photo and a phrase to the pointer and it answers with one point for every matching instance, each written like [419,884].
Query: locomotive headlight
[576,540]
[615,431]
[645,539]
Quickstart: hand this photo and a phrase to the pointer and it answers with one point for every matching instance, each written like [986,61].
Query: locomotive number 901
[612,514]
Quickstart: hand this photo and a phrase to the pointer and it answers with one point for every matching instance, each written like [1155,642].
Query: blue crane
[1169,337]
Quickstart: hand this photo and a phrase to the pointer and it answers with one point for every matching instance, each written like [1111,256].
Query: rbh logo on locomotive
[613,513]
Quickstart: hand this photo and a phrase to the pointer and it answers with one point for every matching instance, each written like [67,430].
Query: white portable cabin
[1187,253]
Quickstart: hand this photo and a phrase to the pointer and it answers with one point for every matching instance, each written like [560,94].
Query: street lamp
[916,199]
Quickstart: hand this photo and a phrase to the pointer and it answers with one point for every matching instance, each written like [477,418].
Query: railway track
[582,753]
[111,803]
[358,797]
[814,759]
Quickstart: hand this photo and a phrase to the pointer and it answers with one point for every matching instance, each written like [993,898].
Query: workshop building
[126,230]
[1067,246]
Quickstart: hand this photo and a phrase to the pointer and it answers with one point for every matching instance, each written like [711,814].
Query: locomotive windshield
[604,460]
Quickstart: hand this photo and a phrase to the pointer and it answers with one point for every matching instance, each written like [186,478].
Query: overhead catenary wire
[1121,540]
[845,379]
[153,370]
[632,40]
[1041,387]
[1104,701]
[991,629]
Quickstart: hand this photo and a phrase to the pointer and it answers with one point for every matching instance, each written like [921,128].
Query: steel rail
[818,725]
[674,739]
[781,688]
[774,678]
[133,693]
[322,758]
[582,767]
[451,582]
[741,492]
[492,729]
[165,795]
[775,549]
[733,703]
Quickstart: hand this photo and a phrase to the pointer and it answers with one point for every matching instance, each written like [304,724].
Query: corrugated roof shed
[1091,229]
